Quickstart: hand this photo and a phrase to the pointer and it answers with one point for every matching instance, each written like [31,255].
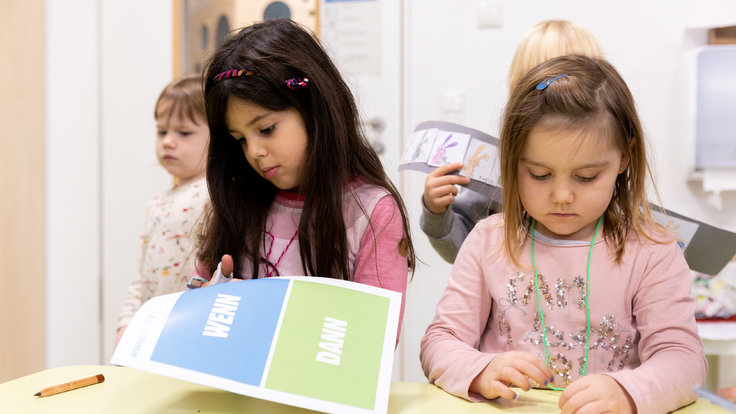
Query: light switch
[490,14]
[452,101]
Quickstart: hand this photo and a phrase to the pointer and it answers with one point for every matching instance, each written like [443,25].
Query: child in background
[449,215]
[173,217]
[574,285]
[296,188]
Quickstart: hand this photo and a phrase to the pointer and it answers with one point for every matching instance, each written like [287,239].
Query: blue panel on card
[242,321]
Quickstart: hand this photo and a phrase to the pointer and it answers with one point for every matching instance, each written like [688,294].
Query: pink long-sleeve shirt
[374,229]
[642,333]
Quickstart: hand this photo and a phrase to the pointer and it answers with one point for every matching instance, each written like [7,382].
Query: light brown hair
[186,95]
[592,95]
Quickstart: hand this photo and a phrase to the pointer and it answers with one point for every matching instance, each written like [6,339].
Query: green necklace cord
[587,295]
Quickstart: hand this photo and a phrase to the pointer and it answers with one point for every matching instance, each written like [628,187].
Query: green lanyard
[587,294]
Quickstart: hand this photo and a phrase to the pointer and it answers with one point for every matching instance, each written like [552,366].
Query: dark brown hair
[337,149]
[592,95]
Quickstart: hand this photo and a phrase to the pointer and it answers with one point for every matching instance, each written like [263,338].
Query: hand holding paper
[440,187]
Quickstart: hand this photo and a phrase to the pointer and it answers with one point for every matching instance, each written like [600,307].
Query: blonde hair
[548,39]
[591,95]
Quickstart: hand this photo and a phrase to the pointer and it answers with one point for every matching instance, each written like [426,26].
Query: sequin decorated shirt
[642,333]
[167,245]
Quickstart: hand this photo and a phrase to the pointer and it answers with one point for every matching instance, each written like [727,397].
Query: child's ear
[625,158]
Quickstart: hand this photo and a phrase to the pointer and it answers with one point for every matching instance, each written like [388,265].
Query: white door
[364,38]
[371,43]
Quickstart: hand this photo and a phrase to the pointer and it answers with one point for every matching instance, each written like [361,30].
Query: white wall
[106,63]
[136,62]
[72,183]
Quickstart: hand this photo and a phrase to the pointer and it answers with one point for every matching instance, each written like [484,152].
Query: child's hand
[510,368]
[224,270]
[439,187]
[227,266]
[729,393]
[596,393]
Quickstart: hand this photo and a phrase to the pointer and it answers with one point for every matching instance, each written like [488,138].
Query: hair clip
[233,73]
[297,83]
[543,84]
[196,282]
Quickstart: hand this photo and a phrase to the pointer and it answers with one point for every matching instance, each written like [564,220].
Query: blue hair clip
[544,84]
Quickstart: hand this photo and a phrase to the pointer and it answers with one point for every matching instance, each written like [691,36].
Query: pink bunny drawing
[440,157]
[474,161]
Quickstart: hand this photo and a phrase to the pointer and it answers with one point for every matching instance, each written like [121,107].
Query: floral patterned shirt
[173,219]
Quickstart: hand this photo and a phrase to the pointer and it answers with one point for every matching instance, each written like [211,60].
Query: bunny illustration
[440,157]
[474,161]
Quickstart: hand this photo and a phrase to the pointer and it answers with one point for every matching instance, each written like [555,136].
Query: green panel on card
[330,344]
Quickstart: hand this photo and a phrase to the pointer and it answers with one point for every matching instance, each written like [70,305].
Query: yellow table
[131,391]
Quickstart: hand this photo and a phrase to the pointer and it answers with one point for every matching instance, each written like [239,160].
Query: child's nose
[254,149]
[169,140]
[562,191]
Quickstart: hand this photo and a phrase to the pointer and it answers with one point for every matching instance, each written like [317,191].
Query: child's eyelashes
[581,178]
[587,179]
[268,130]
[163,132]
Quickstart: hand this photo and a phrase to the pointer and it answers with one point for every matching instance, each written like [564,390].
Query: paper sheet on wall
[318,343]
[433,143]
[352,30]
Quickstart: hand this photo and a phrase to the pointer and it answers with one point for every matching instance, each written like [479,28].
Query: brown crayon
[73,385]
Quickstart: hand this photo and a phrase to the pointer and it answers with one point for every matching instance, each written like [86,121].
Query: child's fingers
[227,266]
[434,182]
[729,393]
[446,169]
[442,190]
[529,367]
[514,376]
[537,371]
[498,388]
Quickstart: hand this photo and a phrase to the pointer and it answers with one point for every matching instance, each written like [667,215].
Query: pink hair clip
[233,73]
[297,83]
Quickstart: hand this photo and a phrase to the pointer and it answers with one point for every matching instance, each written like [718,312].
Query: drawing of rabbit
[440,157]
[474,161]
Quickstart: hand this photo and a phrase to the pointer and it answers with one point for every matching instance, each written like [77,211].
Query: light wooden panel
[22,203]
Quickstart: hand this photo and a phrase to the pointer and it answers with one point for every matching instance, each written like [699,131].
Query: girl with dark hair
[295,187]
[574,286]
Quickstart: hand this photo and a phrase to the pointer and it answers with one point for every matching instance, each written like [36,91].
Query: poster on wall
[351,32]
[200,26]
[317,343]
